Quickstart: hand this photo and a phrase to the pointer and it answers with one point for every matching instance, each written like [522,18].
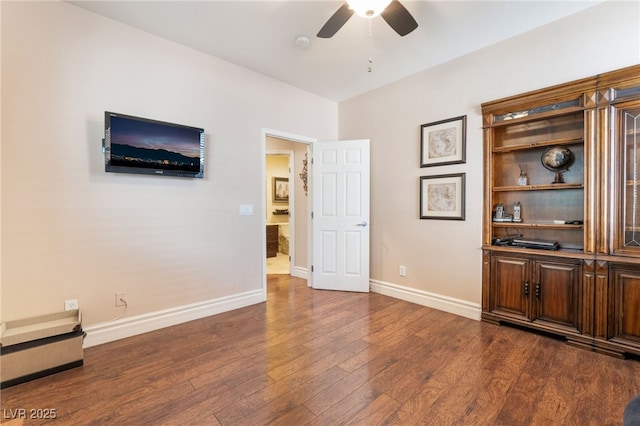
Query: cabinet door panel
[626,299]
[557,292]
[511,288]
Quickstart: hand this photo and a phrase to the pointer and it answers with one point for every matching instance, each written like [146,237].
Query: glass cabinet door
[628,211]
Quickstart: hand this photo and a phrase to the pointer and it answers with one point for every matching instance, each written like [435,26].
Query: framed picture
[442,196]
[280,190]
[443,142]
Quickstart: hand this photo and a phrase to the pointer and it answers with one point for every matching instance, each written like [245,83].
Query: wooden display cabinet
[587,287]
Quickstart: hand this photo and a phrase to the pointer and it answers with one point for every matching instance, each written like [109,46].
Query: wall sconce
[303,175]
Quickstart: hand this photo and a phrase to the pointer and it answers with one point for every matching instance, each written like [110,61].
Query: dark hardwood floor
[330,358]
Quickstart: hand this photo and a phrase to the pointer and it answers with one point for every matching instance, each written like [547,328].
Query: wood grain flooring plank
[293,389]
[134,409]
[558,398]
[363,357]
[451,390]
[435,357]
[347,407]
[409,321]
[319,361]
[618,382]
[425,381]
[525,392]
[300,332]
[485,384]
[376,413]
[299,415]
[339,390]
[219,369]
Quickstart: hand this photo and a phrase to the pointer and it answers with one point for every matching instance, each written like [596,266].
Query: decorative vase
[522,179]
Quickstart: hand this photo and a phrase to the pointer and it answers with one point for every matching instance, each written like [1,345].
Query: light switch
[246,209]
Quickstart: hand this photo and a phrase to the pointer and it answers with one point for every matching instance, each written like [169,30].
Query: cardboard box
[36,347]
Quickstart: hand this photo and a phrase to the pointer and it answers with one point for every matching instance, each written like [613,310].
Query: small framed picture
[443,142]
[442,196]
[280,190]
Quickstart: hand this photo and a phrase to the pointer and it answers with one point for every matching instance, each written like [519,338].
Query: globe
[557,159]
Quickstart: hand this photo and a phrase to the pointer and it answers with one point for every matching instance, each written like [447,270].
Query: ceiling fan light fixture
[368,8]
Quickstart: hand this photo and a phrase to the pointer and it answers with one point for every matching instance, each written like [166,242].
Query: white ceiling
[260,35]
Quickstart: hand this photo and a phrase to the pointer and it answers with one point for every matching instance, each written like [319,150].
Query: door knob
[363,224]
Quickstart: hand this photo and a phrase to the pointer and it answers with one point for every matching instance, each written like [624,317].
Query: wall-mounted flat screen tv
[144,146]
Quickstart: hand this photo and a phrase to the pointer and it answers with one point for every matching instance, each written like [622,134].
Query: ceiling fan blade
[336,22]
[399,18]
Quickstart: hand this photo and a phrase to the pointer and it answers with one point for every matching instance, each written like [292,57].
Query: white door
[340,223]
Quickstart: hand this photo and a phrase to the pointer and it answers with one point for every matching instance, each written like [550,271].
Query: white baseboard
[299,272]
[131,326]
[425,298]
[127,327]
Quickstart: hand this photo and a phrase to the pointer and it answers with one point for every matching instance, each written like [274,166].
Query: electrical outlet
[121,299]
[70,305]
[402,271]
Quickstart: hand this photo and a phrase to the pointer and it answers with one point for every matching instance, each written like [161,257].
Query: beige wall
[70,230]
[444,257]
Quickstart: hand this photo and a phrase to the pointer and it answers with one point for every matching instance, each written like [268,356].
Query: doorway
[280,211]
[290,213]
[342,240]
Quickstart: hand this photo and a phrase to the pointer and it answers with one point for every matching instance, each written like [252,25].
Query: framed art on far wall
[443,142]
[442,196]
[280,190]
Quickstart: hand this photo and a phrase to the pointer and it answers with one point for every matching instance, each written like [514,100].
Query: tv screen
[144,146]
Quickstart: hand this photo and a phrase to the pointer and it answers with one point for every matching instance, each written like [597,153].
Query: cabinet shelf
[536,225]
[544,187]
[541,144]
[560,253]
[535,114]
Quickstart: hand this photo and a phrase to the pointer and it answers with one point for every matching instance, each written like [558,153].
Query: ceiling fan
[394,13]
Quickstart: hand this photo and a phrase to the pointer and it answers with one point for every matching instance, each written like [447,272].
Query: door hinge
[311,215]
[311,268]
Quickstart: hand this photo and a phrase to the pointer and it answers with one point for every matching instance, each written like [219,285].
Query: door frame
[293,138]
